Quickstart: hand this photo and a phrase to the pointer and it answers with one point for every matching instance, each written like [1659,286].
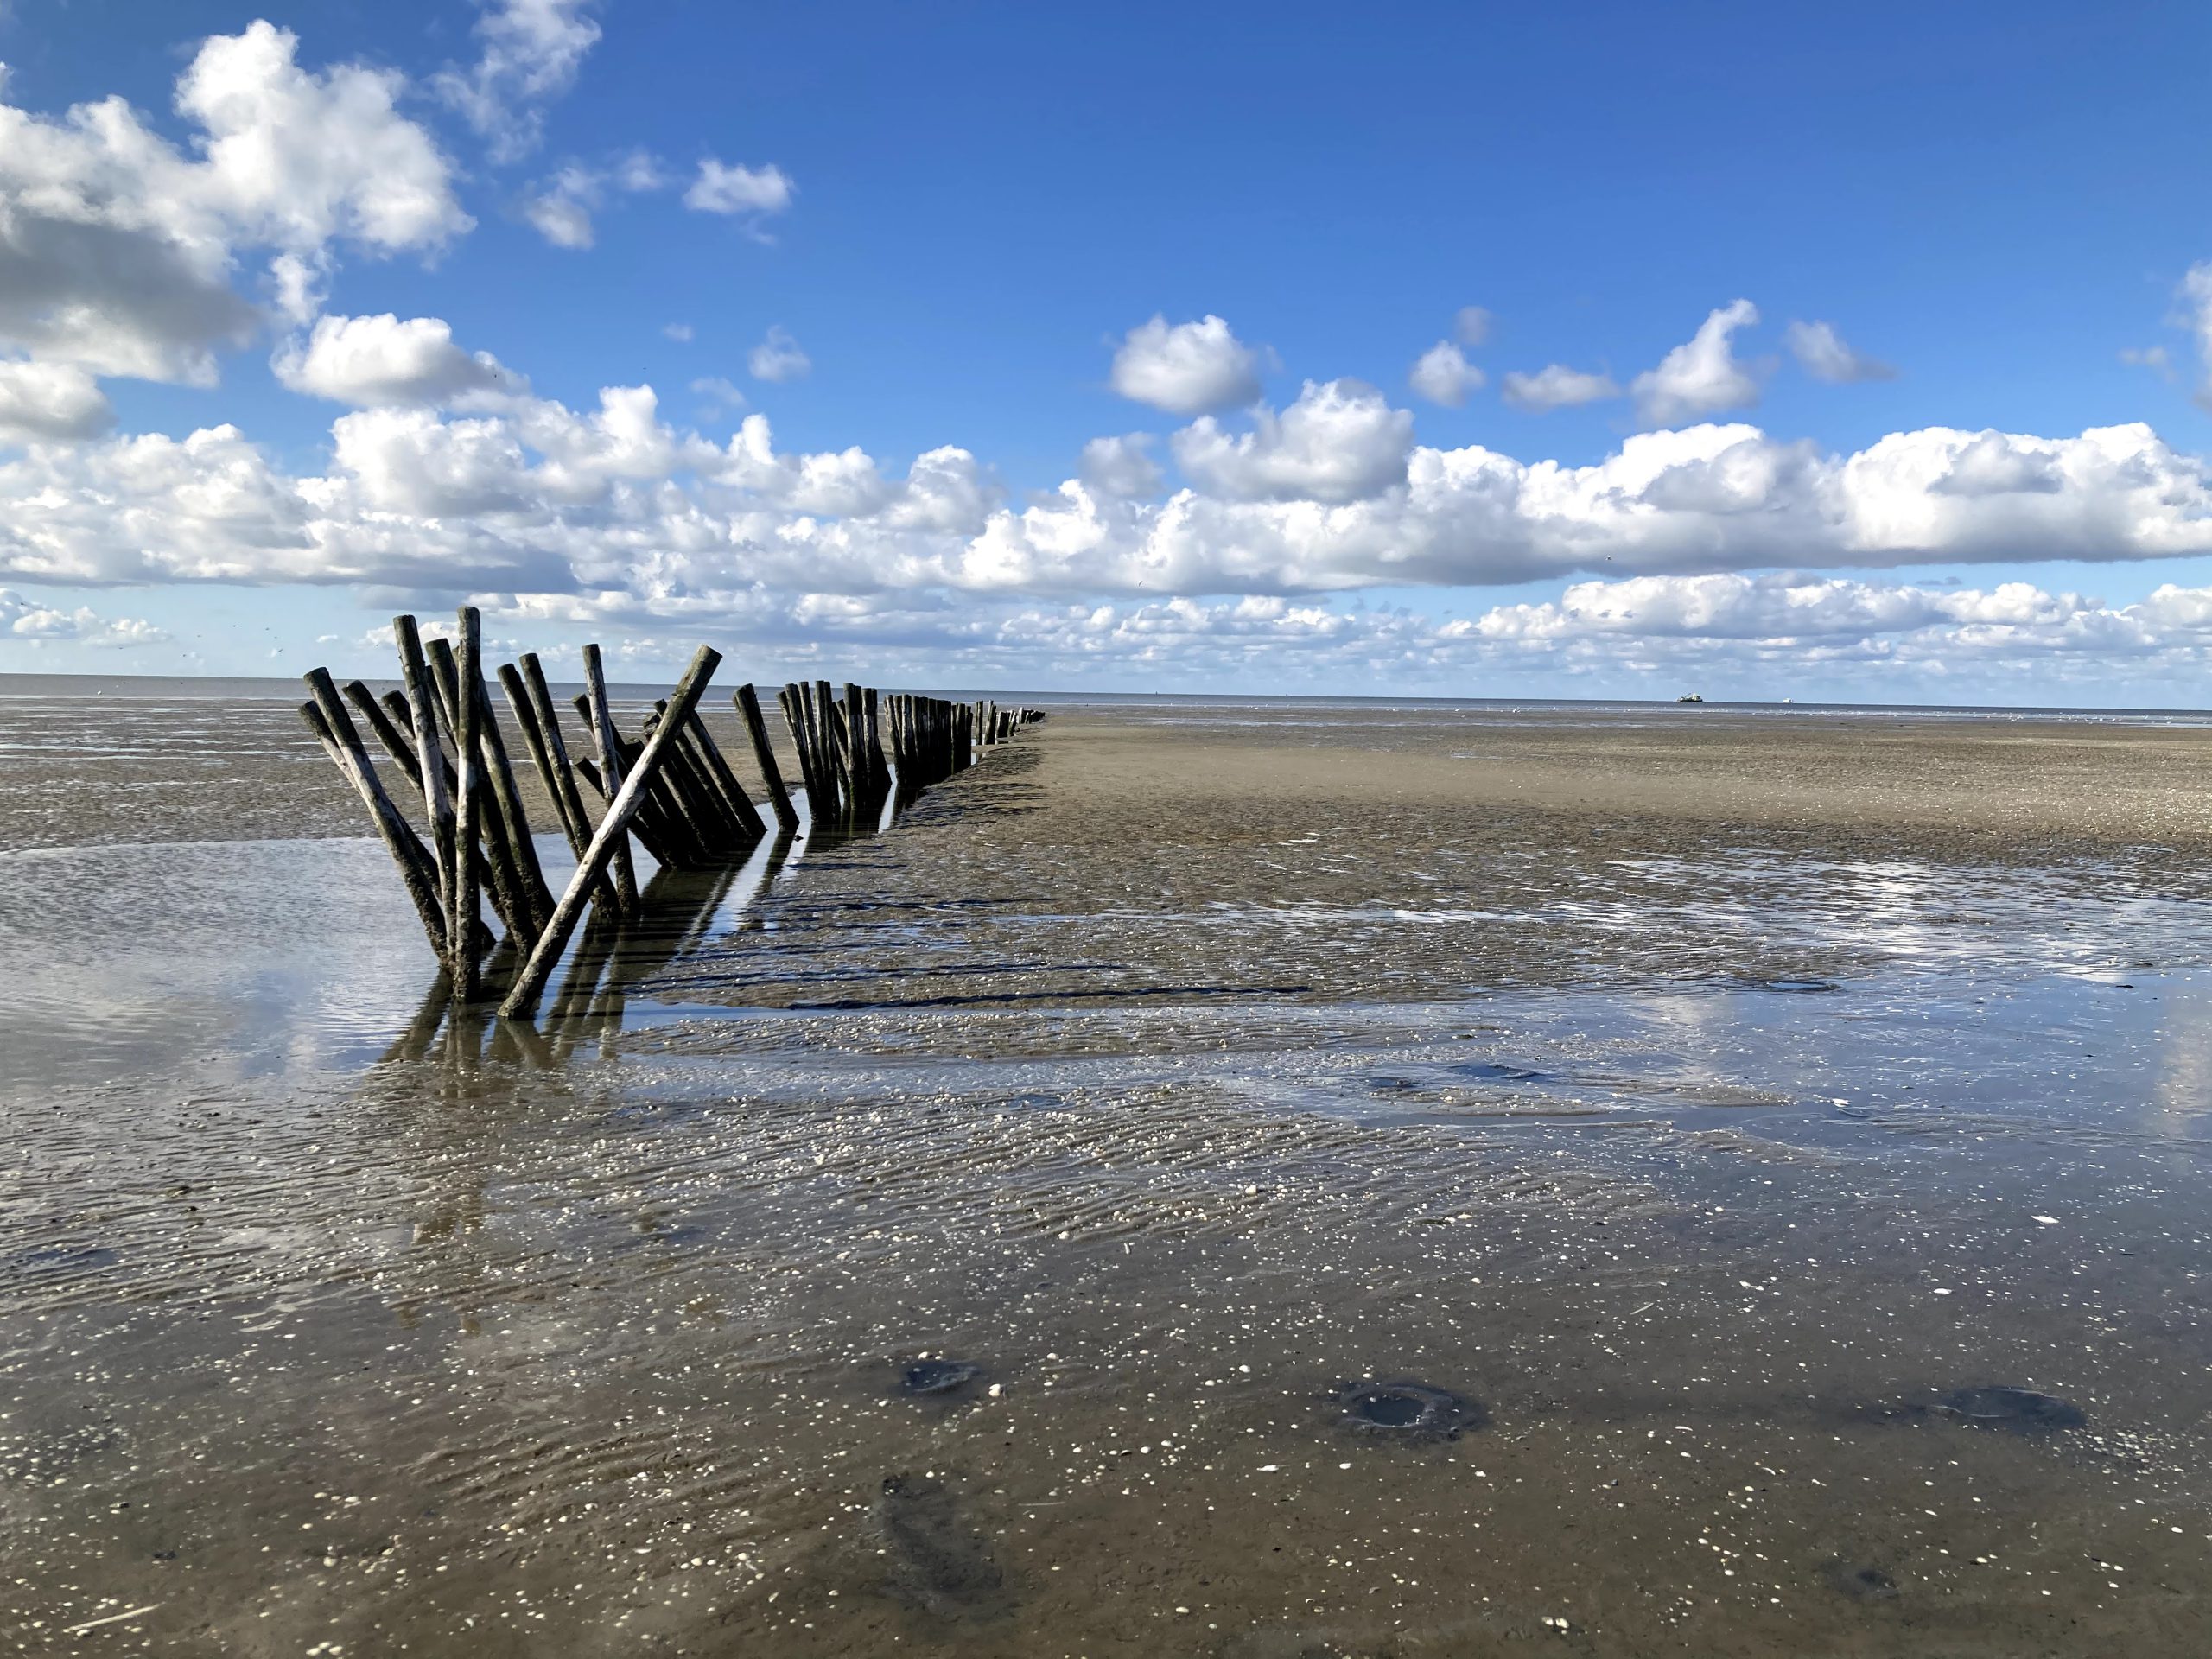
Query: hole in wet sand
[1406,1411]
[2016,1411]
[931,1556]
[932,1378]
[1860,1583]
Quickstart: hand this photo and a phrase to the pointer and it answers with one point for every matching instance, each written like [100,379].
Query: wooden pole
[488,848]
[711,824]
[467,767]
[533,742]
[748,816]
[879,769]
[401,712]
[540,700]
[326,718]
[687,768]
[437,799]
[792,700]
[848,722]
[822,800]
[394,741]
[855,719]
[531,980]
[559,782]
[660,812]
[674,835]
[764,755]
[646,836]
[841,773]
[514,822]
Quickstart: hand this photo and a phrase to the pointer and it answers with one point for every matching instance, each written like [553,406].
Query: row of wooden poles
[669,787]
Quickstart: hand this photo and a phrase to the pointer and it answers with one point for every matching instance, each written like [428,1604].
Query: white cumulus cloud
[1556,386]
[1187,368]
[1765,636]
[1443,375]
[1339,441]
[1702,375]
[778,357]
[117,249]
[532,52]
[736,188]
[1121,466]
[1821,352]
[717,395]
[22,619]
[615,509]
[562,207]
[377,360]
[50,401]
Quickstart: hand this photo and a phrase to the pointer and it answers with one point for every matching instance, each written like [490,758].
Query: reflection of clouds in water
[258,957]
[268,954]
[2183,1094]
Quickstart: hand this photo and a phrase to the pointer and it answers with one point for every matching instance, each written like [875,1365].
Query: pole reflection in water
[681,913]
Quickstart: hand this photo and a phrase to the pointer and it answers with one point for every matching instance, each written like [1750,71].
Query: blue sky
[960,213]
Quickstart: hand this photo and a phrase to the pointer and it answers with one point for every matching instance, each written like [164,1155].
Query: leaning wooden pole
[540,700]
[422,708]
[740,803]
[764,754]
[785,700]
[644,831]
[513,820]
[326,717]
[793,699]
[530,983]
[468,797]
[497,872]
[552,762]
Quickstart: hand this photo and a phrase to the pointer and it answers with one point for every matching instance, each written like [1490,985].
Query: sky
[1858,355]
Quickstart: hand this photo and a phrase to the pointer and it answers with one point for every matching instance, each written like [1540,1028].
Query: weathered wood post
[879,769]
[675,847]
[824,801]
[660,823]
[855,727]
[740,804]
[531,982]
[540,700]
[463,967]
[795,721]
[506,795]
[552,762]
[326,717]
[647,837]
[833,745]
[393,741]
[422,705]
[686,773]
[764,755]
[509,890]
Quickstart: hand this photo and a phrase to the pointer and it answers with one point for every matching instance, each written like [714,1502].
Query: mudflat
[1232,1178]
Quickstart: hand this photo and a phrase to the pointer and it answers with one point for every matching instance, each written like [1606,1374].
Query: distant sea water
[243,688]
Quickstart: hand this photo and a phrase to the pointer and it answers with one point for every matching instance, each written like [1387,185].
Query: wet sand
[1718,1113]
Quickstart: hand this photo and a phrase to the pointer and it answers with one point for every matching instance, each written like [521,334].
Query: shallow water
[1783,1249]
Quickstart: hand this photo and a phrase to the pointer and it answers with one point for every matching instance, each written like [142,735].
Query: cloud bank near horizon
[1250,526]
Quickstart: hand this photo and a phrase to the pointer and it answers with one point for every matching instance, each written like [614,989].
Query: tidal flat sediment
[1761,1157]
